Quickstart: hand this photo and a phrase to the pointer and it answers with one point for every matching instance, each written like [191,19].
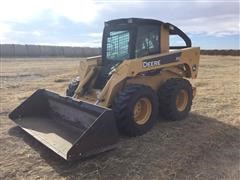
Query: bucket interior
[57,122]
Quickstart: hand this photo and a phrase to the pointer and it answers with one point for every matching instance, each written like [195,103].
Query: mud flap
[72,129]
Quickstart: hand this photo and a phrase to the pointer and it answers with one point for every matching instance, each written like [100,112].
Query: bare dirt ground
[206,145]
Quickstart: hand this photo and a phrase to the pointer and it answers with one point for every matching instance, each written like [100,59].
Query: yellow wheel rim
[142,111]
[182,100]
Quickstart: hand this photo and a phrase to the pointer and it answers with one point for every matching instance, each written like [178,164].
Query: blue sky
[210,24]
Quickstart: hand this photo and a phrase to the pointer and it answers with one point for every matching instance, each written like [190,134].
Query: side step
[72,129]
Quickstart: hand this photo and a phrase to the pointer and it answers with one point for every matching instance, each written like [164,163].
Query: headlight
[75,81]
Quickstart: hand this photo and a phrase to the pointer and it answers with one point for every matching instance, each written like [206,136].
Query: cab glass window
[148,40]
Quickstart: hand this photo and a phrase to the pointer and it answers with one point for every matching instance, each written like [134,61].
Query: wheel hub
[182,100]
[142,111]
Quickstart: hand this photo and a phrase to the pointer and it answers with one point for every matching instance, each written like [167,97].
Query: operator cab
[134,38]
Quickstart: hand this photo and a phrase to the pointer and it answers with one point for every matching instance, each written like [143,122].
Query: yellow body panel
[133,72]
[164,36]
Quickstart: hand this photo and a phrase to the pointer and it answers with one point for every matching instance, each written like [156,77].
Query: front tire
[175,99]
[136,109]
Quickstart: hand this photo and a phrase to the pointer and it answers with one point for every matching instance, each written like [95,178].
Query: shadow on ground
[197,147]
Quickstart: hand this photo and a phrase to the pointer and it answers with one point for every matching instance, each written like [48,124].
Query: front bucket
[71,128]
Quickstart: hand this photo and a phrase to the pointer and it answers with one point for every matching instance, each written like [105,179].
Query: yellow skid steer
[138,76]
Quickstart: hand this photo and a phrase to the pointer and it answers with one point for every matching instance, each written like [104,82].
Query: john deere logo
[151,63]
[162,60]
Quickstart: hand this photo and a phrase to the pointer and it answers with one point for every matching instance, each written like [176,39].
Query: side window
[147,40]
[176,40]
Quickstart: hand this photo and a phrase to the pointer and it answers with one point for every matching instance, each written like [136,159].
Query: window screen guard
[118,45]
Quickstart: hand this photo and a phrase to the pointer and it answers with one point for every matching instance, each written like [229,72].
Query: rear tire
[175,99]
[72,87]
[136,109]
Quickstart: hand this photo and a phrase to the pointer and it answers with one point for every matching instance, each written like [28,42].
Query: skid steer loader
[138,76]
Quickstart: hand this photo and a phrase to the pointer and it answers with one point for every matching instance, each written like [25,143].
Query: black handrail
[173,30]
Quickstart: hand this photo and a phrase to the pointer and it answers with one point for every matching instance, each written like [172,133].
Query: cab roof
[134,21]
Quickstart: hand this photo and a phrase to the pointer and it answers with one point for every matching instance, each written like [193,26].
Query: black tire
[168,96]
[124,105]
[72,88]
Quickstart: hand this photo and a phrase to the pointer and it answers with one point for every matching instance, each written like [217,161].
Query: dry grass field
[206,145]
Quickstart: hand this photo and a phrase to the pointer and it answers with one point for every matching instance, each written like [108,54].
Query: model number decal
[161,60]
